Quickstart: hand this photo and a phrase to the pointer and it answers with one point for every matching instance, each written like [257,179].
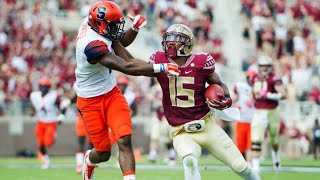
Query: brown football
[212,92]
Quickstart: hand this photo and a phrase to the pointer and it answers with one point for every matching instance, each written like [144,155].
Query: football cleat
[276,166]
[79,168]
[87,170]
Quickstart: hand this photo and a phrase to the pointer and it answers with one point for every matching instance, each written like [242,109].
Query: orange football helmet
[105,17]
[44,81]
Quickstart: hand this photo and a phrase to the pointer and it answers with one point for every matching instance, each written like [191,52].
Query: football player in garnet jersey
[268,90]
[186,109]
[99,100]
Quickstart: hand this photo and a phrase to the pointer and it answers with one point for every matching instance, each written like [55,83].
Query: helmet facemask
[185,48]
[265,66]
[115,30]
[265,70]
[112,30]
[178,33]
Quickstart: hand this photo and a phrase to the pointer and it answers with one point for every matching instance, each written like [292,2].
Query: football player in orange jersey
[100,102]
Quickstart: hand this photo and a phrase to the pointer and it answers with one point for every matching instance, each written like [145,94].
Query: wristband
[135,29]
[274,96]
[157,68]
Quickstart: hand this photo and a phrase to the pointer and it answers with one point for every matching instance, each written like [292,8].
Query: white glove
[65,103]
[139,21]
[61,118]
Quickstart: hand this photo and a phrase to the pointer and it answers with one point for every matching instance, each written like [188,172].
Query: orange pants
[45,133]
[243,136]
[104,112]
[81,128]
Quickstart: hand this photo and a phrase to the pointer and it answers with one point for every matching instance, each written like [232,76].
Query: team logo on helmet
[101,14]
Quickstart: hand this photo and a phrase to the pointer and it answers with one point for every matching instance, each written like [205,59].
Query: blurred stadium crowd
[31,48]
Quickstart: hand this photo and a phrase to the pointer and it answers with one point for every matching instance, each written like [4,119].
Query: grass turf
[27,169]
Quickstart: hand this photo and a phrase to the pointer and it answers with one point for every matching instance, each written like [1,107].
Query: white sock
[256,163]
[79,158]
[248,174]
[275,156]
[191,169]
[46,159]
[89,162]
[129,177]
[153,154]
[172,154]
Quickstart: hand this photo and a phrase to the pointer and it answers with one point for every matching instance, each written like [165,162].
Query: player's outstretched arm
[130,35]
[134,67]
[122,52]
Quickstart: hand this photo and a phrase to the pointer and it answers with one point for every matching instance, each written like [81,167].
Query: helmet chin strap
[179,52]
[172,52]
[265,73]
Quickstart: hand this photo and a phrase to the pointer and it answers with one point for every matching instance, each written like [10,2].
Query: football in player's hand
[212,92]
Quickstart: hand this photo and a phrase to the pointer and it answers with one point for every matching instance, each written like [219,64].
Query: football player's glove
[65,103]
[263,94]
[168,68]
[225,102]
[139,22]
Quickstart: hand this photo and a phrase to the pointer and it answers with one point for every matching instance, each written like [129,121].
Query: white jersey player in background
[45,105]
[243,100]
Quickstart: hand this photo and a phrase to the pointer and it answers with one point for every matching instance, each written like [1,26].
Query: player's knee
[104,156]
[49,142]
[190,161]
[124,143]
[256,146]
[239,164]
[248,174]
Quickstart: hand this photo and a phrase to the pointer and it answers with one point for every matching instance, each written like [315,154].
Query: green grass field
[63,169]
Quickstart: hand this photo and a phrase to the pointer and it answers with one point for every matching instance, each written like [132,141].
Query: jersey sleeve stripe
[96,49]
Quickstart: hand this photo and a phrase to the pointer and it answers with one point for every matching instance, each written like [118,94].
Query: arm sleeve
[95,49]
[209,65]
[152,58]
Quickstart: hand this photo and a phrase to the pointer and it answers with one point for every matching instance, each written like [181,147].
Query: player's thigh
[118,114]
[80,127]
[274,121]
[220,145]
[185,145]
[39,132]
[274,125]
[155,131]
[258,128]
[91,111]
[50,133]
[39,129]
[240,136]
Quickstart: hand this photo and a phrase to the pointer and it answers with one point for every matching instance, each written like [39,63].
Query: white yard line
[174,168]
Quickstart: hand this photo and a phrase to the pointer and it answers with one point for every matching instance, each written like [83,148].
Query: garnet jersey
[92,79]
[183,97]
[264,84]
